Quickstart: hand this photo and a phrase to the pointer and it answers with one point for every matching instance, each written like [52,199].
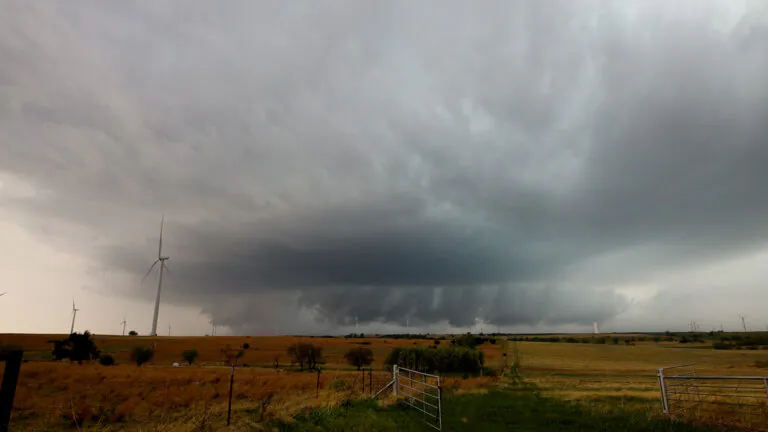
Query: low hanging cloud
[397,162]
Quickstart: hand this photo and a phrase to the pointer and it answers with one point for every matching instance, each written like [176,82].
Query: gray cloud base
[391,160]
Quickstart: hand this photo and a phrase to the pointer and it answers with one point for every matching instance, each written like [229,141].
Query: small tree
[359,357]
[467,340]
[132,333]
[142,355]
[106,360]
[189,356]
[305,354]
[77,347]
[246,345]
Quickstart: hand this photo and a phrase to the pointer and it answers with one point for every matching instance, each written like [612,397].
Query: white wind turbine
[160,259]
[74,314]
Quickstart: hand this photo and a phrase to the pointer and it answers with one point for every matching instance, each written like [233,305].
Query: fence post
[8,388]
[317,387]
[439,404]
[395,380]
[370,380]
[231,384]
[362,373]
[663,387]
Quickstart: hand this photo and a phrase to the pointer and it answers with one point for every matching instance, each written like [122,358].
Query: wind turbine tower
[74,314]
[124,323]
[596,328]
[160,259]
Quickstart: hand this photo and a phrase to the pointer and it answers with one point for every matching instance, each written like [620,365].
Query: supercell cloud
[427,162]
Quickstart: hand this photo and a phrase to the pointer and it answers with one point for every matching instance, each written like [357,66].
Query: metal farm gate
[735,400]
[421,391]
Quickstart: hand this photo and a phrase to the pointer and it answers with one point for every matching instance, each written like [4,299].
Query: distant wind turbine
[74,314]
[124,323]
[160,259]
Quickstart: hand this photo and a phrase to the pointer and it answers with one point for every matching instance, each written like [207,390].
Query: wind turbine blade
[166,268]
[150,270]
[2,294]
[160,245]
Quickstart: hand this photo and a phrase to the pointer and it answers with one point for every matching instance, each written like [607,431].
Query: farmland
[59,396]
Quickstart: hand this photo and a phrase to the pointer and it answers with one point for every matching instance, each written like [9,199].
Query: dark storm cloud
[391,161]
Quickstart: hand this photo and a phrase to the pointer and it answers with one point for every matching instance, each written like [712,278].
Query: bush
[77,347]
[142,355]
[489,372]
[189,356]
[106,360]
[721,346]
[246,345]
[467,340]
[359,357]
[132,333]
[304,353]
[444,359]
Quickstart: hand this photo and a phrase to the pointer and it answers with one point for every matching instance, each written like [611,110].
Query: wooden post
[317,388]
[8,388]
[231,384]
[362,391]
[370,379]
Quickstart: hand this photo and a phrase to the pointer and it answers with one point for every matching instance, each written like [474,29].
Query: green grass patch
[516,408]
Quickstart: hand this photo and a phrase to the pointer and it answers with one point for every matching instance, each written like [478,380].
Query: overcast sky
[525,166]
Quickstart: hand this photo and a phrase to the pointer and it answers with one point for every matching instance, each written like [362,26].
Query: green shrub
[448,359]
[189,356]
[142,355]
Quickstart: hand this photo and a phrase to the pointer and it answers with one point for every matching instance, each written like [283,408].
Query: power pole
[743,323]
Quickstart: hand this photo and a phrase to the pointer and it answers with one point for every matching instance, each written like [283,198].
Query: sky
[430,166]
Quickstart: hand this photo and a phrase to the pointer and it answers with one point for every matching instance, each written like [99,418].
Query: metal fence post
[439,404]
[8,388]
[395,380]
[663,387]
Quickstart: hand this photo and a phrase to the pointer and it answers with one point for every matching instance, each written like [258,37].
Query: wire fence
[734,400]
[49,395]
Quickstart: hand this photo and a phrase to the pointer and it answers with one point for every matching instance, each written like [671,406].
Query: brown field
[158,396]
[52,396]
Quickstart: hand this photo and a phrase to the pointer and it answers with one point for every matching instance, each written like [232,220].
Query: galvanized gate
[421,391]
[724,399]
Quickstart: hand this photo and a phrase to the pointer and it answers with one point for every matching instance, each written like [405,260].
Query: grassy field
[64,396]
[571,386]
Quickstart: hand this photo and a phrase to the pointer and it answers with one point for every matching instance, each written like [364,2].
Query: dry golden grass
[578,371]
[54,396]
[60,395]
